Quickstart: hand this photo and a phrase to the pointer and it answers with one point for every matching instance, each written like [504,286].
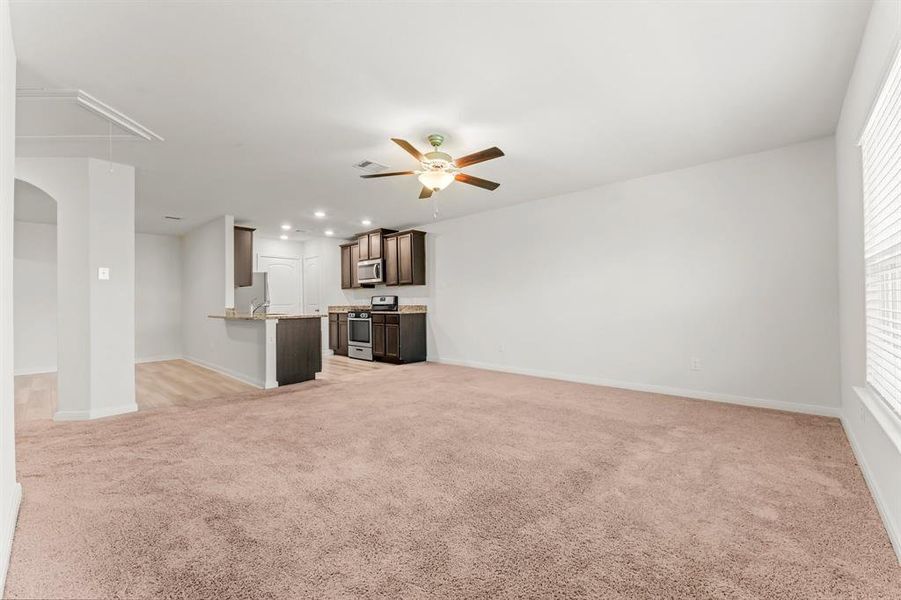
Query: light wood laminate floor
[167,383]
[340,367]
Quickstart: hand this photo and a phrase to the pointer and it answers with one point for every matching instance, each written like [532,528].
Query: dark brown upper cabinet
[370,243]
[405,258]
[347,266]
[354,259]
[375,244]
[243,256]
[402,251]
[350,256]
[390,252]
[363,246]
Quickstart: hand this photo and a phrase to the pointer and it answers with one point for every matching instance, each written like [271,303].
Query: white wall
[95,220]
[10,490]
[732,262]
[280,248]
[35,298]
[157,297]
[237,348]
[158,280]
[878,446]
[111,235]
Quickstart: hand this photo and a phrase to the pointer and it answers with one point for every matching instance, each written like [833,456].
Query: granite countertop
[264,317]
[402,309]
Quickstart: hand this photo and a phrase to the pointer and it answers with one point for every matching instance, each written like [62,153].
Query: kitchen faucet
[254,307]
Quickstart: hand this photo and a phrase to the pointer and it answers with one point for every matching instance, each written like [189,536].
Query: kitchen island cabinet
[289,347]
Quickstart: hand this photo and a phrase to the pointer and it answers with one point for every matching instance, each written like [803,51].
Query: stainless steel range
[383,304]
[359,326]
[359,335]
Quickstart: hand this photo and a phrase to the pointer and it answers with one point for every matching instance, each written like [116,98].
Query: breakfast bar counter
[290,349]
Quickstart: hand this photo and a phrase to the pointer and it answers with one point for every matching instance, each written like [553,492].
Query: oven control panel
[358,315]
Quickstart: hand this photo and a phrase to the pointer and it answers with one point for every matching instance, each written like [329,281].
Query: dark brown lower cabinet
[298,350]
[399,338]
[337,333]
[392,342]
[378,336]
[333,331]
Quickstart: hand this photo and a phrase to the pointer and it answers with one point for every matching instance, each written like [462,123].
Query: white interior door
[284,283]
[311,283]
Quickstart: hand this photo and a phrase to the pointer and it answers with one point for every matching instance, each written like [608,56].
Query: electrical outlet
[695,364]
[103,273]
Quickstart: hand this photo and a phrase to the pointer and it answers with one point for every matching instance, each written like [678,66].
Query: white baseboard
[100,413]
[138,361]
[34,371]
[810,409]
[10,517]
[891,520]
[227,372]
[160,358]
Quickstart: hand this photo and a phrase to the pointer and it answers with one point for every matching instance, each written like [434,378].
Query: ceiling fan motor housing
[437,161]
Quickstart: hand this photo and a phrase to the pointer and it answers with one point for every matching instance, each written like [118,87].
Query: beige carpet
[431,481]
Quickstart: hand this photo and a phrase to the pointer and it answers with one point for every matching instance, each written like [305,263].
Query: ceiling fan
[439,169]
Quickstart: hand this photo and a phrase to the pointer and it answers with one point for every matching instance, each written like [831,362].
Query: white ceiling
[264,106]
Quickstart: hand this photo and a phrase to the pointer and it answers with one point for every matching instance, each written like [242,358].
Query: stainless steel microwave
[370,271]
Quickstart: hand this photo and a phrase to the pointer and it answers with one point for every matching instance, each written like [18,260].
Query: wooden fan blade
[409,148]
[425,193]
[388,174]
[476,181]
[471,159]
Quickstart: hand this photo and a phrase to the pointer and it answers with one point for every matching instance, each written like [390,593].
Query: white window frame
[882,214]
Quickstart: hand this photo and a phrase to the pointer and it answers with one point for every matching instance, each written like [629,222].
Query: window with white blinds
[881,152]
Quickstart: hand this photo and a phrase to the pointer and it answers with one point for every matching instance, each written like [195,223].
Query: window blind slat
[882,158]
[891,91]
[881,182]
[882,204]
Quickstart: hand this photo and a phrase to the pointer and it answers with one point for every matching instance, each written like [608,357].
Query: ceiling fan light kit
[439,169]
[436,180]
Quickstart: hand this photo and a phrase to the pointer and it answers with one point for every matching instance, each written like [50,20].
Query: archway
[95,282]
[35,302]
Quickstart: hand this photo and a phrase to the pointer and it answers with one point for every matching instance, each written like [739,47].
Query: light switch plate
[103,273]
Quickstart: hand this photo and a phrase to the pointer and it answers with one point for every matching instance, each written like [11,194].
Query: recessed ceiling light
[366,222]
[319,213]
[329,232]
[286,226]
[284,237]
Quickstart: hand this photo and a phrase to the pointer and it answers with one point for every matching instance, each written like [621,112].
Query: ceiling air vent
[370,167]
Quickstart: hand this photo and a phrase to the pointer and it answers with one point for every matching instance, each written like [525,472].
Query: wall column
[95,229]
